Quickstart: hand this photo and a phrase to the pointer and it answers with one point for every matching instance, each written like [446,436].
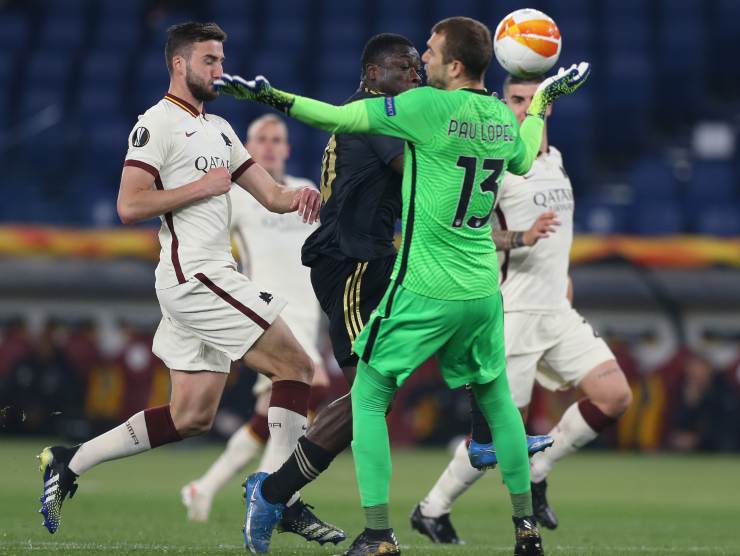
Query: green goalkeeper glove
[564,83]
[258,89]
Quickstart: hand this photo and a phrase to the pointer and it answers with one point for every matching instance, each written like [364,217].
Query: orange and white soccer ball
[527,43]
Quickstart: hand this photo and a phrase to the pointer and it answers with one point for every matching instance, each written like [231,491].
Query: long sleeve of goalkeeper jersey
[348,118]
[530,140]
[405,116]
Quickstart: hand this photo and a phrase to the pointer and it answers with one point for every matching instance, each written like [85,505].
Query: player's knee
[193,423]
[306,369]
[620,402]
[615,401]
[198,426]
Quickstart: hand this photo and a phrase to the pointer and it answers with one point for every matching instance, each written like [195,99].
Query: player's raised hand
[216,182]
[257,89]
[545,224]
[565,82]
[240,88]
[307,202]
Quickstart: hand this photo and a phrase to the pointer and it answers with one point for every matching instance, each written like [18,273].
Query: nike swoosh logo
[190,133]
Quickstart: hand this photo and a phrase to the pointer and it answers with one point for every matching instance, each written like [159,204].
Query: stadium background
[650,145]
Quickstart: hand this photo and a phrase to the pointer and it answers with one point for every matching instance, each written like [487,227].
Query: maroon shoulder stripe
[502,223]
[184,104]
[243,168]
[144,166]
[238,305]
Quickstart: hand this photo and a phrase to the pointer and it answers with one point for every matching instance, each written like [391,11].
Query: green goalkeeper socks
[371,395]
[522,504]
[376,517]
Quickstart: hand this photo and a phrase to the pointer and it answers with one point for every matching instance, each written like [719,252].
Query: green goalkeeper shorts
[407,328]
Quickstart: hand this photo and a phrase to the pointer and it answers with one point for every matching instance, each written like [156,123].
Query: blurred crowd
[66,378]
[658,156]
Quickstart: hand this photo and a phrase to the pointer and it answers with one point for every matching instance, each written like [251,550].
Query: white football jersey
[536,278]
[178,145]
[270,251]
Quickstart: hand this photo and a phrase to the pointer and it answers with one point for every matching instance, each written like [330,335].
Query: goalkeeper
[444,296]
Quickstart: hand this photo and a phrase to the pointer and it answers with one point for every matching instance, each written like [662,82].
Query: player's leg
[263,514]
[580,358]
[274,456]
[525,345]
[244,322]
[277,354]
[403,319]
[608,396]
[269,463]
[240,319]
[475,355]
[371,395]
[431,517]
[509,437]
[506,424]
[179,347]
[297,516]
[246,442]
[193,404]
[348,294]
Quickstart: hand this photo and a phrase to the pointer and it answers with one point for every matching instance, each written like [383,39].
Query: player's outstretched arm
[565,82]
[349,118]
[138,199]
[541,229]
[278,198]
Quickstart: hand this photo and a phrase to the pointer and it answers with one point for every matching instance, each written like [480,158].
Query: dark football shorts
[348,292]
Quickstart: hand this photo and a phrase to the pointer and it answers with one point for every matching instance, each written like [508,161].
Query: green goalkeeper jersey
[458,146]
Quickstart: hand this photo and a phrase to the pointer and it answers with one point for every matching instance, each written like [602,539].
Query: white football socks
[286,427]
[126,439]
[456,479]
[570,434]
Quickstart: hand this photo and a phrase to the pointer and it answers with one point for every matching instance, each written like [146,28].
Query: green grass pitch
[608,504]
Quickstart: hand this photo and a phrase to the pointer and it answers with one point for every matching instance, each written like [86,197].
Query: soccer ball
[527,43]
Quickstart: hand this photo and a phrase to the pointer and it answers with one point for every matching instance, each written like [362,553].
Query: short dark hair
[380,46]
[180,38]
[514,80]
[467,40]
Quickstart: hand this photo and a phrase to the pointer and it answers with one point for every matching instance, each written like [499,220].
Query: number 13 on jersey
[488,185]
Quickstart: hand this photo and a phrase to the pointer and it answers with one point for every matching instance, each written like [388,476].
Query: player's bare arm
[138,199]
[278,198]
[545,224]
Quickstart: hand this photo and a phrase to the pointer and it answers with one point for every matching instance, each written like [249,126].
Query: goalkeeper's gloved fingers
[257,89]
[576,74]
[566,80]
[238,86]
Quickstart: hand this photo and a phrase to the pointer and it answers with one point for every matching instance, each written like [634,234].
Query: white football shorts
[212,320]
[557,348]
